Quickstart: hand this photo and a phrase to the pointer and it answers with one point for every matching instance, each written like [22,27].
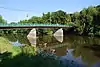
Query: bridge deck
[11,26]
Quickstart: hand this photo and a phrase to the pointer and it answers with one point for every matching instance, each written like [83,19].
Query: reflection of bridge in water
[12,26]
[58,34]
[32,34]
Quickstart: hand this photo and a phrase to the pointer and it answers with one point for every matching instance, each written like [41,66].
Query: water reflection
[22,38]
[87,54]
[32,36]
[96,64]
[17,43]
[71,61]
[59,35]
[85,49]
[59,38]
[69,58]
[32,40]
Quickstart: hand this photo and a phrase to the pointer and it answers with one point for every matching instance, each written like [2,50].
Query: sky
[16,10]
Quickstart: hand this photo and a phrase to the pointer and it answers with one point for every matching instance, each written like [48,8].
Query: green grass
[6,46]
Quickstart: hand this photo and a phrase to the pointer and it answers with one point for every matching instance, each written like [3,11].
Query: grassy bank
[6,46]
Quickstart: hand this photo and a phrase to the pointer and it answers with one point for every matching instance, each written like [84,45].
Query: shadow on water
[95,48]
[28,60]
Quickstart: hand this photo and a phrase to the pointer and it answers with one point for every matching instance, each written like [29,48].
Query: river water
[82,49]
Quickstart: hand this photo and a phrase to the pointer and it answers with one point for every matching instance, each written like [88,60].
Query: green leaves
[2,20]
[87,20]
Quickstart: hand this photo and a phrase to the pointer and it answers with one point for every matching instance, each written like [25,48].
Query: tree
[84,22]
[23,21]
[35,19]
[13,23]
[46,18]
[2,20]
[87,21]
[60,17]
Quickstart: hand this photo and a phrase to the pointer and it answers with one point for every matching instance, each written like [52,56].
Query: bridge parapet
[28,24]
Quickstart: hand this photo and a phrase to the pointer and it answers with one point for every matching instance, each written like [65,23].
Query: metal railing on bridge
[28,25]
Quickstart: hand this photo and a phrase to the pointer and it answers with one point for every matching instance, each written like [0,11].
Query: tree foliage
[87,21]
[2,20]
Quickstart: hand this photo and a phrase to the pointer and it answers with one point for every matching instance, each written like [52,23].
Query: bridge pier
[59,35]
[59,32]
[32,36]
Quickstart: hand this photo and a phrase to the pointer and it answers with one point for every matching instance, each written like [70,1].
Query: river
[82,49]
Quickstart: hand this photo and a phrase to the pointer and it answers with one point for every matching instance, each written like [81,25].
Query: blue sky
[37,7]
